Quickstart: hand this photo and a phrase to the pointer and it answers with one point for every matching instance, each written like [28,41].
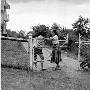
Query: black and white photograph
[45,45]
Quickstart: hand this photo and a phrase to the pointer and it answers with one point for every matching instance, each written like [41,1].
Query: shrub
[72,46]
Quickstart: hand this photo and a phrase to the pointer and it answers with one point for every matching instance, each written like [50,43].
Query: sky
[24,14]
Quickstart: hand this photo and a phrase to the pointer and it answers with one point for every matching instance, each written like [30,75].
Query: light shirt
[55,39]
[38,41]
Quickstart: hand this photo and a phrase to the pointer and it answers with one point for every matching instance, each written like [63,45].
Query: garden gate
[32,51]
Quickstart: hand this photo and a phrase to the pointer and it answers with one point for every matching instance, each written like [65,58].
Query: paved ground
[68,78]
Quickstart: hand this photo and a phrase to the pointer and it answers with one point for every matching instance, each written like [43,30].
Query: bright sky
[26,13]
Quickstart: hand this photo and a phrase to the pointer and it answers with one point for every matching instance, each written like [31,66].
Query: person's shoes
[43,69]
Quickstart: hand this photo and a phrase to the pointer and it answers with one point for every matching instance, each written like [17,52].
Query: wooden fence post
[79,47]
[67,38]
[30,51]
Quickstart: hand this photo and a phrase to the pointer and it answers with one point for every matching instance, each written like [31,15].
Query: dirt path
[68,78]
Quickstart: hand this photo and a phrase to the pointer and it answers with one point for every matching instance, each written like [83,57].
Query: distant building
[4,16]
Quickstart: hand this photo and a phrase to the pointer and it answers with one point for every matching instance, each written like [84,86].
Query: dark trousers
[56,55]
[38,51]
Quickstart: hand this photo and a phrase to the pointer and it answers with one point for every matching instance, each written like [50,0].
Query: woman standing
[56,52]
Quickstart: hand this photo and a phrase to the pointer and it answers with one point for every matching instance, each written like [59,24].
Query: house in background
[4,17]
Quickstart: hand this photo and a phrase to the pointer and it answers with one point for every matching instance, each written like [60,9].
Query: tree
[41,30]
[9,33]
[12,33]
[57,29]
[21,34]
[82,26]
[55,26]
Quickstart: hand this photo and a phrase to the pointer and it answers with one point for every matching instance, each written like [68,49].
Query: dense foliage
[20,34]
[41,30]
[82,26]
